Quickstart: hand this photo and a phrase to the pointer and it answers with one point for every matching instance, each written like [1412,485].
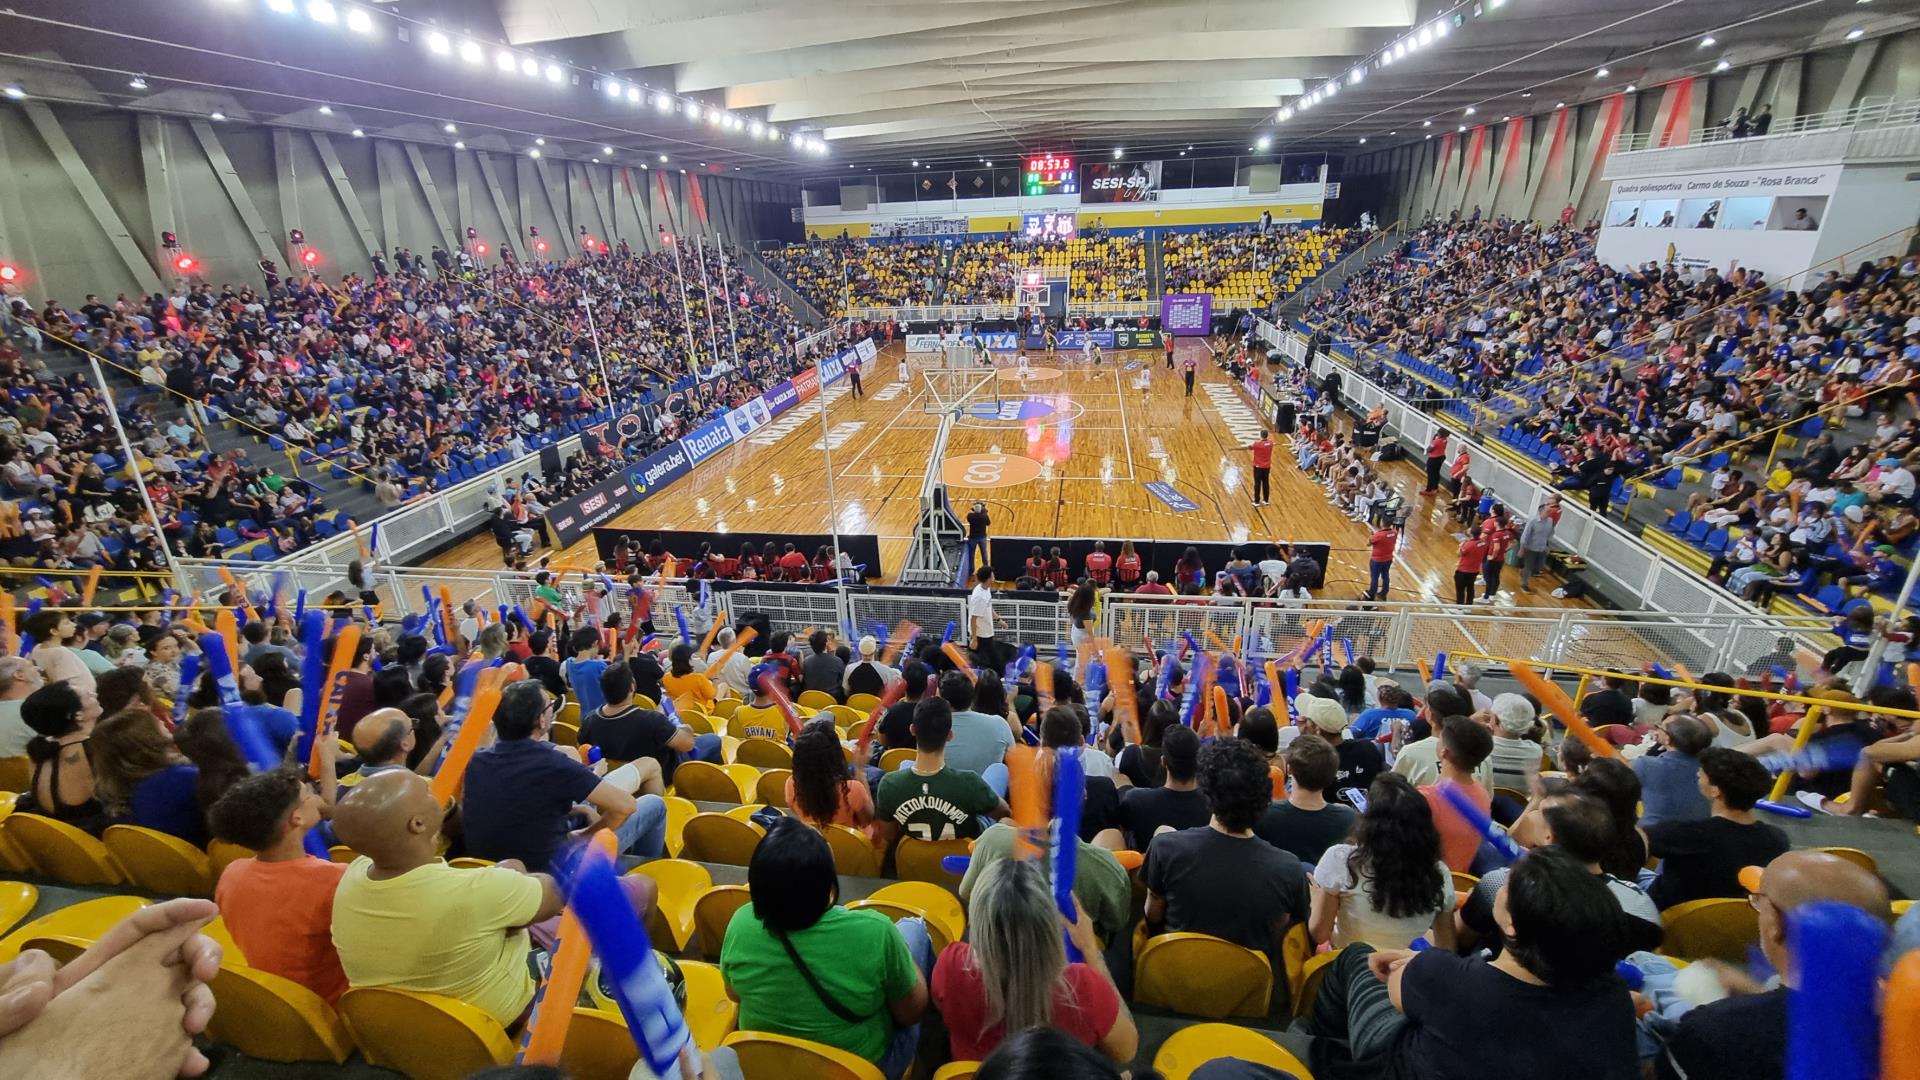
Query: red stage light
[310,257]
[184,263]
[480,248]
[9,273]
[540,246]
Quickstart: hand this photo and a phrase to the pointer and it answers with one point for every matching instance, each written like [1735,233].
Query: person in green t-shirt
[927,800]
[802,966]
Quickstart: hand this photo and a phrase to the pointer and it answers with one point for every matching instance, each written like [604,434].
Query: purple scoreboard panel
[1186,314]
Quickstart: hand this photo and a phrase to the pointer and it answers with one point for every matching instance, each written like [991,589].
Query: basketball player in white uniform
[1021,367]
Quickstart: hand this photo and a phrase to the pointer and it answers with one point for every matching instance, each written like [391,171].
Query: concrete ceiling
[952,82]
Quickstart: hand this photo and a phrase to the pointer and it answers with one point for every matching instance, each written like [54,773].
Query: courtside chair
[1720,928]
[274,1019]
[160,862]
[1202,975]
[59,851]
[425,1036]
[713,911]
[85,922]
[1191,1047]
[765,1054]
[681,884]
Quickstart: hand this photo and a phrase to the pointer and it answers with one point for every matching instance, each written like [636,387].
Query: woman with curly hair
[822,789]
[143,779]
[1387,885]
[204,739]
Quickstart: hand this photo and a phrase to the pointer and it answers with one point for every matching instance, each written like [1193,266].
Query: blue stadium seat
[1679,523]
[1697,532]
[1718,541]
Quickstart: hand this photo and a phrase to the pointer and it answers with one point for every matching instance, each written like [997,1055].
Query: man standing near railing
[1536,539]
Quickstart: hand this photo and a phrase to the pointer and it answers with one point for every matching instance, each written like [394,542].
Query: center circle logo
[988,470]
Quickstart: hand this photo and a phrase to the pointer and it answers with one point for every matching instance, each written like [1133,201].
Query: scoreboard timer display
[1051,175]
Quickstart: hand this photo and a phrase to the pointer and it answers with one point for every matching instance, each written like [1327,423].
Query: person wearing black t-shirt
[543,665]
[1176,804]
[896,724]
[1745,1035]
[647,673]
[1360,763]
[1700,860]
[1141,764]
[1219,878]
[1306,824]
[1549,1005]
[1060,730]
[1610,704]
[626,732]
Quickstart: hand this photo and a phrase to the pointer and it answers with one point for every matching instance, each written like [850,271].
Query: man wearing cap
[762,717]
[1895,482]
[1744,1035]
[868,675]
[1360,761]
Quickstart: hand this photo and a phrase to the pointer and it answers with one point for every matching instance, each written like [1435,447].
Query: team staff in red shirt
[1499,534]
[1436,458]
[1473,558]
[1262,469]
[1458,474]
[1382,544]
[1126,568]
[1099,564]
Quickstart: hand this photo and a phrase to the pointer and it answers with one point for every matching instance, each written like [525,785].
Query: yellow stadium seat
[17,899]
[845,716]
[275,1019]
[1310,977]
[713,911]
[717,838]
[159,862]
[772,788]
[711,1014]
[701,725]
[643,701]
[815,700]
[16,773]
[745,779]
[217,930]
[564,734]
[1721,928]
[1855,856]
[425,1036]
[341,853]
[936,932]
[762,1053]
[744,812]
[703,781]
[1295,949]
[1191,1047]
[59,851]
[12,859]
[468,862]
[729,745]
[83,922]
[853,852]
[679,812]
[895,758]
[569,714]
[919,860]
[763,753]
[222,853]
[598,1046]
[864,704]
[935,904]
[681,883]
[957,1070]
[1901,907]
[723,708]
[1202,975]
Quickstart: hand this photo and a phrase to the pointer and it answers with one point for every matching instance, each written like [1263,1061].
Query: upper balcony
[1883,131]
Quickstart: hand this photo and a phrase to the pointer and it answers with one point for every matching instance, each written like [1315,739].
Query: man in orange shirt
[1262,469]
[1464,744]
[278,905]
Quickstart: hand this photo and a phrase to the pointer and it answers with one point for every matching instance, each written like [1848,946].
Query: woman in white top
[1387,885]
[51,629]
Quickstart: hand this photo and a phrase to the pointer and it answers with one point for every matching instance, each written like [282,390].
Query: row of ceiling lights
[508,62]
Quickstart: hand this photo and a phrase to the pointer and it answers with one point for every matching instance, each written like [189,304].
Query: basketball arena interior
[844,541]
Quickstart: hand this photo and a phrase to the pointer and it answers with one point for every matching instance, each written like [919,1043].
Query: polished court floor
[1066,452]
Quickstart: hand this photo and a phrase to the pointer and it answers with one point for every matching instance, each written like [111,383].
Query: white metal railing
[1115,309]
[1889,113]
[940,313]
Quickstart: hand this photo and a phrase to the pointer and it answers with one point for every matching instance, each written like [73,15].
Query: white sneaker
[1813,800]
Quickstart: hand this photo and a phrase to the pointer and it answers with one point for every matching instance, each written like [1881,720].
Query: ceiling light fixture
[693,110]
[1723,65]
[530,67]
[534,154]
[1118,152]
[448,128]
[613,88]
[663,102]
[326,110]
[439,43]
[217,115]
[284,7]
[1469,110]
[323,11]
[471,52]
[1440,28]
[505,62]
[1708,42]
[459,145]
[1263,142]
[555,73]
[606,151]
[358,134]
[1854,34]
[1363,140]
[541,141]
[138,83]
[1602,73]
[634,96]
[663,159]
[1631,88]
[359,21]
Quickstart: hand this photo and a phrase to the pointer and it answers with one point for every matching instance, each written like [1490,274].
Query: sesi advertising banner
[1119,181]
[575,518]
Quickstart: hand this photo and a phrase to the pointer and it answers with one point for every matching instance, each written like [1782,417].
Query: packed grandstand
[712,806]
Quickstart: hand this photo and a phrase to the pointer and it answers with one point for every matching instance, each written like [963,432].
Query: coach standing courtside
[1262,469]
[1436,460]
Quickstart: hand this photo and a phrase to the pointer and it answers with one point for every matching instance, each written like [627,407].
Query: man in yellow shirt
[403,918]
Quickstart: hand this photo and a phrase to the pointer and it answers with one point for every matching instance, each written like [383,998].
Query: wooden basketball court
[1066,452]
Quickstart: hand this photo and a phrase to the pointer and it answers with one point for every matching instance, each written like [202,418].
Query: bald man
[1745,1035]
[403,918]
[384,738]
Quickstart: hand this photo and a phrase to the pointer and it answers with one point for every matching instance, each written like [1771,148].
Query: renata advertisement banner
[707,441]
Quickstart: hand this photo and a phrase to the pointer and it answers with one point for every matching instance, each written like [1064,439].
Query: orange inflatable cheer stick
[1120,683]
[1561,706]
[1426,673]
[959,660]
[344,647]
[446,782]
[1900,1024]
[553,1004]
[7,642]
[741,642]
[93,583]
[1027,795]
[1222,714]
[246,605]
[895,690]
[229,628]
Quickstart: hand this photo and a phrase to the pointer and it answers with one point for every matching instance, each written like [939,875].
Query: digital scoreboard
[1051,174]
